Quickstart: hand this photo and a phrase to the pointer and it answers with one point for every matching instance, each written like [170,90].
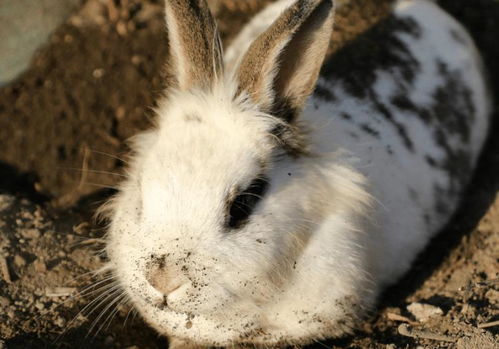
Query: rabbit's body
[357,183]
[416,121]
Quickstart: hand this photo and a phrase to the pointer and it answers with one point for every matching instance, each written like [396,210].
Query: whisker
[109,306]
[97,303]
[91,171]
[127,315]
[109,155]
[82,311]
[100,185]
[77,296]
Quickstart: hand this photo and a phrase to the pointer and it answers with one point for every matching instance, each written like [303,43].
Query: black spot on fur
[346,116]
[404,103]
[353,135]
[431,161]
[369,130]
[324,93]
[380,48]
[454,105]
[356,66]
[458,36]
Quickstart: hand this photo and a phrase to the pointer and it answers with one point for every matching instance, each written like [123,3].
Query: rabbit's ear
[281,67]
[195,46]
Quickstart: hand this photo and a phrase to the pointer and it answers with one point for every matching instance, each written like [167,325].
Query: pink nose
[165,279]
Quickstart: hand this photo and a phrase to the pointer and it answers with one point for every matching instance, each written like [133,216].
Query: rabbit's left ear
[281,67]
[195,46]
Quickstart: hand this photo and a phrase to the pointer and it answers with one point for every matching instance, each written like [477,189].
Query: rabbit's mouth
[219,328]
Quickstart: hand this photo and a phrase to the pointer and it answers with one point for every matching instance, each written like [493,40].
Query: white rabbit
[254,214]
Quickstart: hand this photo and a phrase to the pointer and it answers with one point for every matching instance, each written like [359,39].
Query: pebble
[4,301]
[40,266]
[98,73]
[120,112]
[30,233]
[5,202]
[60,322]
[19,261]
[121,28]
[3,345]
[423,312]
[136,59]
[39,305]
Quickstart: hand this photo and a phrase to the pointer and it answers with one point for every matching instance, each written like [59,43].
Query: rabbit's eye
[244,203]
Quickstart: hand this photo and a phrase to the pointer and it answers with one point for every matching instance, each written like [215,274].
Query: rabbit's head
[207,229]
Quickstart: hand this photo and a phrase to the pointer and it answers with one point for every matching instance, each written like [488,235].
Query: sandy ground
[63,126]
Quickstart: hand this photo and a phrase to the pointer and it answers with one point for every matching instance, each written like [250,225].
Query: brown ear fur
[195,46]
[281,67]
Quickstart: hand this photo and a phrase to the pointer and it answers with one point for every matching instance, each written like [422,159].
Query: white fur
[332,230]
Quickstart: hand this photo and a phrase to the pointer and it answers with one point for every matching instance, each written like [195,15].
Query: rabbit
[278,193]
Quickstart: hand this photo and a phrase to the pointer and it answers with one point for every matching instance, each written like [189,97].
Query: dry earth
[63,124]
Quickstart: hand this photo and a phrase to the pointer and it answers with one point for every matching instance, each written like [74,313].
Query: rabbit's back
[408,98]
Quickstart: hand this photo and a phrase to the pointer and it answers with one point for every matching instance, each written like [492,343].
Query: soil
[63,129]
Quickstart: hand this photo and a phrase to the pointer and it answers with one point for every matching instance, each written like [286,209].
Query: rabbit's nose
[165,279]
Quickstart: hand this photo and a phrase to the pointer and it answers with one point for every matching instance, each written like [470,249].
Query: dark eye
[244,204]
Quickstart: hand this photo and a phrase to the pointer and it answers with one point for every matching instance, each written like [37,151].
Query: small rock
[4,270]
[39,305]
[98,73]
[60,291]
[60,322]
[121,28]
[4,302]
[30,233]
[3,345]
[390,346]
[120,112]
[40,266]
[5,202]
[136,60]
[423,312]
[19,261]
[493,296]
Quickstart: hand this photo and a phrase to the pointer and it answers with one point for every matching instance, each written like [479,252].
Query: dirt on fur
[63,129]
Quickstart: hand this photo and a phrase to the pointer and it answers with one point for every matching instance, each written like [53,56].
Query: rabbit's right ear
[280,69]
[195,46]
